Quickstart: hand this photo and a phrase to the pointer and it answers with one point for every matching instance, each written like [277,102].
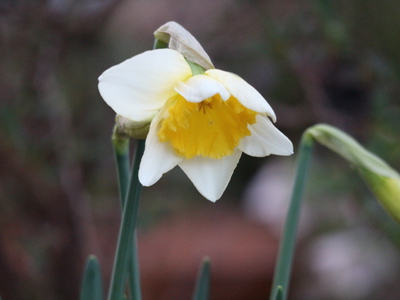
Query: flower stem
[121,152]
[128,225]
[287,244]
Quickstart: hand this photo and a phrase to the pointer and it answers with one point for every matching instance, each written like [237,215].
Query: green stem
[287,244]
[128,224]
[121,151]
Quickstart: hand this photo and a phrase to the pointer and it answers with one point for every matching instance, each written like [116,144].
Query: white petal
[242,91]
[265,139]
[158,157]
[200,87]
[211,176]
[138,87]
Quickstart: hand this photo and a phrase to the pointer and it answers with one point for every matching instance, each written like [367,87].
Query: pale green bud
[133,129]
[181,40]
[386,190]
[383,181]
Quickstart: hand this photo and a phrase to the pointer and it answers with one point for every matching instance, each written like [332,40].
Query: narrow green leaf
[92,286]
[203,281]
[279,293]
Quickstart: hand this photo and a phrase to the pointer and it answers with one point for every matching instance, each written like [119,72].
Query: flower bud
[179,39]
[383,181]
[133,129]
[386,189]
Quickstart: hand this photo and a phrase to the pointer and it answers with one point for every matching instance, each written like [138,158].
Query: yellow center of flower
[211,128]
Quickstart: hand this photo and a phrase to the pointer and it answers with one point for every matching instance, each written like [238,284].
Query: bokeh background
[336,62]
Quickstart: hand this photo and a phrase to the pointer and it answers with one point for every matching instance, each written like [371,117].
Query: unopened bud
[383,180]
[133,129]
[386,189]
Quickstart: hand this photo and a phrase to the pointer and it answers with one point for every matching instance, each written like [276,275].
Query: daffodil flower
[200,122]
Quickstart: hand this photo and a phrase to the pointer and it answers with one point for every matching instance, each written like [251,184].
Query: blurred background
[336,62]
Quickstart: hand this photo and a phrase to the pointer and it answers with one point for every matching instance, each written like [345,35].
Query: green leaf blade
[92,285]
[203,281]
[279,293]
